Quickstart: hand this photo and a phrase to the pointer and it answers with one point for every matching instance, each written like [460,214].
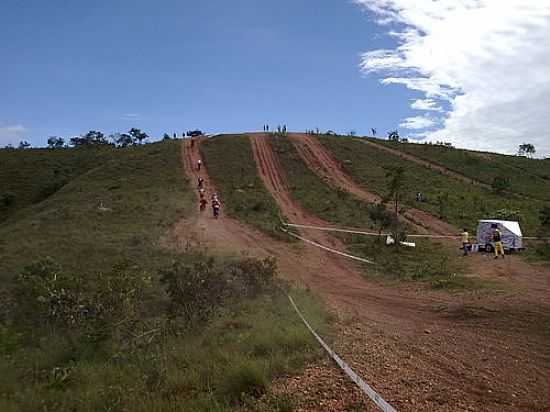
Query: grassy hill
[29,176]
[529,177]
[454,200]
[96,315]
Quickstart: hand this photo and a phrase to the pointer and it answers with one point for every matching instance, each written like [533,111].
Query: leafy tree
[166,136]
[137,135]
[393,136]
[442,203]
[123,139]
[500,184]
[381,217]
[55,142]
[7,199]
[92,138]
[23,144]
[526,149]
[396,182]
[545,217]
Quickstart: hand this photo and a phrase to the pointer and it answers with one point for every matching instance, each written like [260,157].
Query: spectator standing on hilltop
[199,164]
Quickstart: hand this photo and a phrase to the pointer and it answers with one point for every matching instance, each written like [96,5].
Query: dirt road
[420,350]
[320,161]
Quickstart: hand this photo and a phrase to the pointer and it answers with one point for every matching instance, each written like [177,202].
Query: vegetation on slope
[316,196]
[430,262]
[104,319]
[231,165]
[31,176]
[451,199]
[529,177]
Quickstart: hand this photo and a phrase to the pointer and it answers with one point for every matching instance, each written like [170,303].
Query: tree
[500,184]
[92,138]
[23,144]
[166,136]
[395,188]
[55,142]
[393,136]
[123,139]
[526,149]
[381,217]
[545,217]
[137,135]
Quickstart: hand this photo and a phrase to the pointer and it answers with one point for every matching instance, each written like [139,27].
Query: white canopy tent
[512,237]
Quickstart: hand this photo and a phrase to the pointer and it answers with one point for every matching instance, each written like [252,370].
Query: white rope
[311,242]
[364,386]
[359,232]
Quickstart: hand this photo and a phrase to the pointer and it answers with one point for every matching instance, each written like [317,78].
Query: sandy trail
[420,350]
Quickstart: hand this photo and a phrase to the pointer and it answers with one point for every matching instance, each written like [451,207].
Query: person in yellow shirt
[497,240]
[465,236]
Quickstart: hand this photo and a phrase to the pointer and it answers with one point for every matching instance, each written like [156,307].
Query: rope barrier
[364,386]
[311,242]
[359,232]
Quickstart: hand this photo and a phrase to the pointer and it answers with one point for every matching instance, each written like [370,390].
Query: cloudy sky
[476,73]
[482,68]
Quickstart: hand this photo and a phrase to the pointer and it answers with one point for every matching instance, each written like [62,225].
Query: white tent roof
[508,224]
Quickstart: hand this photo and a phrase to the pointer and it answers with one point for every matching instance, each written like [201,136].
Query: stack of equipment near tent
[511,235]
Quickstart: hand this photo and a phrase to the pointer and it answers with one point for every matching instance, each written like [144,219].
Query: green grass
[144,191]
[231,165]
[451,199]
[228,363]
[314,195]
[32,175]
[221,363]
[529,177]
[429,262]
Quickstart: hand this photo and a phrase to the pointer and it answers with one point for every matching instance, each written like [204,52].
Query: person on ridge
[497,239]
[465,236]
[199,164]
[200,183]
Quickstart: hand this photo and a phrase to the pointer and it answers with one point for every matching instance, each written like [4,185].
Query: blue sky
[71,66]
[226,66]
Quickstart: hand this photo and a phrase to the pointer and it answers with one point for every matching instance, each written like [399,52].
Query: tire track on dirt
[323,164]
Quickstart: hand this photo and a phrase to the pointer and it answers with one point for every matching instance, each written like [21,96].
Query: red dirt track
[320,161]
[421,350]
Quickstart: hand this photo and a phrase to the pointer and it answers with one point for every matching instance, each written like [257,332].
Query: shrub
[198,288]
[7,199]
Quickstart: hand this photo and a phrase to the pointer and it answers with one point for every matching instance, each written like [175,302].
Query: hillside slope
[454,199]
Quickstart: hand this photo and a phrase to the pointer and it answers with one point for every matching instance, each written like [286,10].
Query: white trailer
[512,238]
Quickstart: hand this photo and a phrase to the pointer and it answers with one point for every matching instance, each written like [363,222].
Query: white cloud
[417,122]
[426,104]
[130,116]
[12,134]
[488,60]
